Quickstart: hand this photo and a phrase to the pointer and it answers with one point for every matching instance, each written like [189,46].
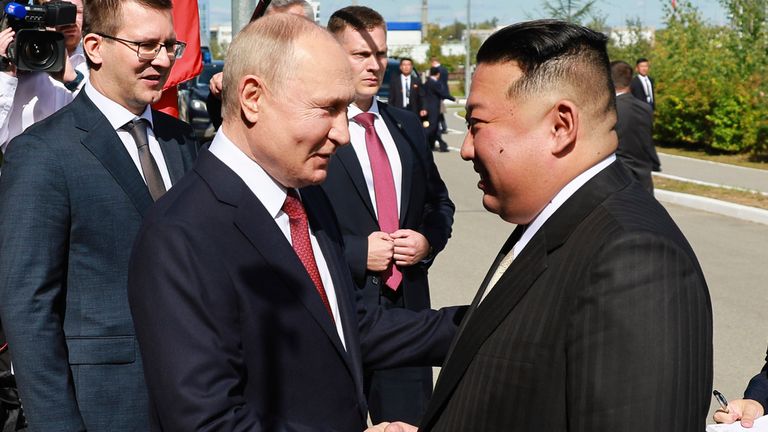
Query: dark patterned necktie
[138,130]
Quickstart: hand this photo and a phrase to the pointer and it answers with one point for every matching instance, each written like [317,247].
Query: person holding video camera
[39,86]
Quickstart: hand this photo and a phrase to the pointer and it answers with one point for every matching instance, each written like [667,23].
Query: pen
[721,400]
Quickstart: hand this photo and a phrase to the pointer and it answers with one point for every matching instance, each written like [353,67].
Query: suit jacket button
[375,280]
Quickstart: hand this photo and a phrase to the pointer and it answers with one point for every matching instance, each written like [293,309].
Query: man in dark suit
[434,93]
[642,86]
[405,88]
[73,192]
[435,63]
[243,303]
[752,406]
[392,205]
[634,128]
[595,315]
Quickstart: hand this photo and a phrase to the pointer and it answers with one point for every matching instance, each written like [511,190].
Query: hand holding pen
[746,410]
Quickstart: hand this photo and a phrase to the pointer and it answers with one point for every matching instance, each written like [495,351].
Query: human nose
[164,59]
[468,147]
[339,133]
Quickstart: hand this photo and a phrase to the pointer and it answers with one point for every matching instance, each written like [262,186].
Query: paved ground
[713,172]
[732,253]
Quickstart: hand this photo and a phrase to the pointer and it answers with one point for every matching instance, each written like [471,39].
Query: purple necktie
[384,188]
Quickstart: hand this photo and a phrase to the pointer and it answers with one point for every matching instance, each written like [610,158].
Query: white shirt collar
[116,114]
[561,197]
[353,110]
[271,193]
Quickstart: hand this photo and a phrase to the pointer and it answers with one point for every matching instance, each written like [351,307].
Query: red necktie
[384,188]
[297,218]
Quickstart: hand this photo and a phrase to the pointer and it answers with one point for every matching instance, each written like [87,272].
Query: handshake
[392,427]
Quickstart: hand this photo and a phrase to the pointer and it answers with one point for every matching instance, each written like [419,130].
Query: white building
[222,34]
[624,36]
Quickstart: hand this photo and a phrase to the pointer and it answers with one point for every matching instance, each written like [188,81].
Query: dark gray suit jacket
[71,202]
[232,330]
[635,130]
[602,323]
[638,90]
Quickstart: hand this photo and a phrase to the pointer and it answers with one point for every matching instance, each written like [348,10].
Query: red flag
[187,25]
[674,4]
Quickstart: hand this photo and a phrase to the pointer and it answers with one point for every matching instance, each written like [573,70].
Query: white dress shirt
[357,138]
[272,196]
[561,197]
[118,116]
[32,96]
[647,87]
[405,82]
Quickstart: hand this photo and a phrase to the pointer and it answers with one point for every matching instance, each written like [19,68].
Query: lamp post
[467,55]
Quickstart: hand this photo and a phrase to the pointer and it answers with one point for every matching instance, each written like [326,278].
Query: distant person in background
[752,406]
[27,97]
[296,7]
[435,63]
[405,88]
[642,85]
[434,93]
[634,128]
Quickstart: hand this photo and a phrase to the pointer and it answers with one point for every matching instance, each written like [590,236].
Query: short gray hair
[283,5]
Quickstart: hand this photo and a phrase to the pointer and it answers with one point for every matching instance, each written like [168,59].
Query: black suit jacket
[434,93]
[396,93]
[231,328]
[72,201]
[424,206]
[638,91]
[602,323]
[758,387]
[635,130]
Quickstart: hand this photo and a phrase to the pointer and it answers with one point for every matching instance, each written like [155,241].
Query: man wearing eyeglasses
[75,187]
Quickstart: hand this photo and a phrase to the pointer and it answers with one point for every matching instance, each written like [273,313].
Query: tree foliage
[710,80]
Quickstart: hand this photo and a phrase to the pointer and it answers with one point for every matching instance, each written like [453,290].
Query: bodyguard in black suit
[397,229]
[634,128]
[643,87]
[595,315]
[411,99]
[72,196]
[244,305]
[434,93]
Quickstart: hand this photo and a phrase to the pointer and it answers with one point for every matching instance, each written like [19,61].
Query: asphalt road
[732,254]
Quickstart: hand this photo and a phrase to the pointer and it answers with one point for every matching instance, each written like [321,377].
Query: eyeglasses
[150,50]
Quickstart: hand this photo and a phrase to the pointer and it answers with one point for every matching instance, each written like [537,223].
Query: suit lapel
[168,139]
[348,159]
[342,284]
[406,153]
[102,141]
[520,276]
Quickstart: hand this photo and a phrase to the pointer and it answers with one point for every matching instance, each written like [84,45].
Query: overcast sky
[650,12]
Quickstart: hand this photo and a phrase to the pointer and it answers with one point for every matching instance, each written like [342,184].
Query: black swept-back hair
[553,53]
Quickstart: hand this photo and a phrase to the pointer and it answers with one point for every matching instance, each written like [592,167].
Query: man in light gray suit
[73,193]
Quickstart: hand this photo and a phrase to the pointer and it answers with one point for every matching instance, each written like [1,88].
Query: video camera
[34,48]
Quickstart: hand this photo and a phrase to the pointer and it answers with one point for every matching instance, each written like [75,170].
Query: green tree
[573,11]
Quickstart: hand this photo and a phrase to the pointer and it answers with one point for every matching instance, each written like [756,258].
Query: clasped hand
[406,247]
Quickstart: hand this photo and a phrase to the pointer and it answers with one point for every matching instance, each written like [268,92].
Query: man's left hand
[410,247]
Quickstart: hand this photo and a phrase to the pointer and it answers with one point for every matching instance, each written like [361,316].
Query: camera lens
[39,53]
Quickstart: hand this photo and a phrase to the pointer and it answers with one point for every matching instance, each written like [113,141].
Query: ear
[565,125]
[251,92]
[92,44]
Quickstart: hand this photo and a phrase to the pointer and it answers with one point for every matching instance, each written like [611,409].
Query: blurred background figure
[434,93]
[642,85]
[405,89]
[435,63]
[634,127]
[27,97]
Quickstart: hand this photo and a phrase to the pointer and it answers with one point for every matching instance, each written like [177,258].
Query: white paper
[760,425]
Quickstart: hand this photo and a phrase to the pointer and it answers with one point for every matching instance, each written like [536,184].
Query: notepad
[761,425]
